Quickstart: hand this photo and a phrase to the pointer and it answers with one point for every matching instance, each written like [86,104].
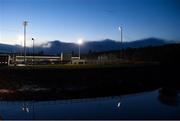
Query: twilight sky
[68,20]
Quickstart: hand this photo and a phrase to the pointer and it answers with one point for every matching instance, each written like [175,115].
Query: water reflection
[25,107]
[119,104]
[148,105]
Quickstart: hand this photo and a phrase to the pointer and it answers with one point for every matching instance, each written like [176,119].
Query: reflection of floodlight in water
[119,104]
[25,108]
[80,42]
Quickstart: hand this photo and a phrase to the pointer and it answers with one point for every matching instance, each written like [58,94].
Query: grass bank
[64,81]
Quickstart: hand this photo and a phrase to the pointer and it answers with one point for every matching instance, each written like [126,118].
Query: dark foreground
[67,82]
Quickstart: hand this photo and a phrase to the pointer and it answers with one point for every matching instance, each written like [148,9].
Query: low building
[77,60]
[4,59]
[38,59]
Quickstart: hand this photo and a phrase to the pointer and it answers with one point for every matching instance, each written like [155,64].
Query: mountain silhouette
[56,47]
[5,48]
[146,42]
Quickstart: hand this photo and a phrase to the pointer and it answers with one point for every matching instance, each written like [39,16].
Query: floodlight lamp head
[120,28]
[80,41]
[25,23]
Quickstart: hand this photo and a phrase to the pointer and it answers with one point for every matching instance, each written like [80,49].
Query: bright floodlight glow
[119,28]
[80,41]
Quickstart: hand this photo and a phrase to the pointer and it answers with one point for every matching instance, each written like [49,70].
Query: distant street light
[80,42]
[33,49]
[25,23]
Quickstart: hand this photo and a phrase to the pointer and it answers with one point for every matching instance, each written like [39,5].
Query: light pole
[25,25]
[80,41]
[121,30]
[33,50]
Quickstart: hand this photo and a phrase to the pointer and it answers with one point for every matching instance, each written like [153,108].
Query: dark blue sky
[68,20]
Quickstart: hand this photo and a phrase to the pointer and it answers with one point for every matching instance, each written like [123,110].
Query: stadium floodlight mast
[25,23]
[121,30]
[33,49]
[80,42]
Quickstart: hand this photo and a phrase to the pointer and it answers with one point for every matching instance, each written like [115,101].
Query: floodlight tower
[25,23]
[33,49]
[80,41]
[121,31]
